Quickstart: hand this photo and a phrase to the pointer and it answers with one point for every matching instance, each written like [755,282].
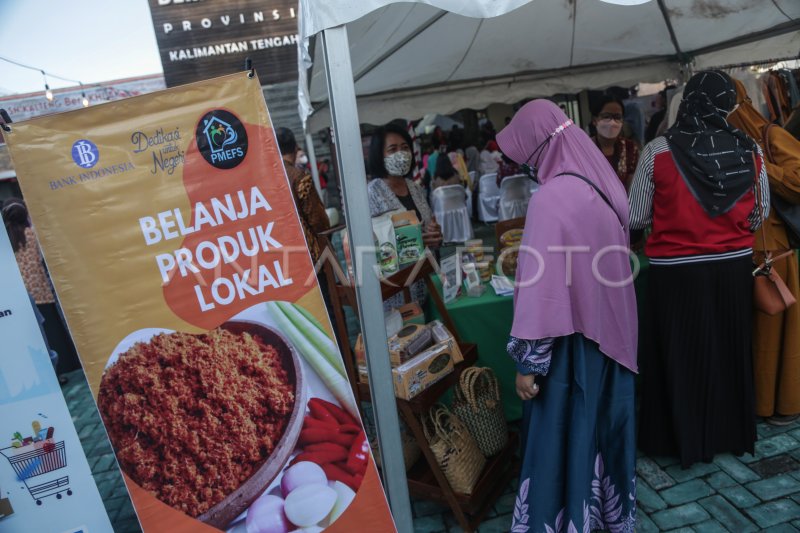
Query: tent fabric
[416,57]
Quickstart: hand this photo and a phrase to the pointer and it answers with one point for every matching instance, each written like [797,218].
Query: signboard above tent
[201,40]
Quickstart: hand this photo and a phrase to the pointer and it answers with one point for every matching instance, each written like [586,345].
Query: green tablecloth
[486,321]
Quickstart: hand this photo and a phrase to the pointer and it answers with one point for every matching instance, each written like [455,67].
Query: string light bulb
[47,92]
[84,101]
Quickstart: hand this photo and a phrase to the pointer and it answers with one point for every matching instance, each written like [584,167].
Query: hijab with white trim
[715,158]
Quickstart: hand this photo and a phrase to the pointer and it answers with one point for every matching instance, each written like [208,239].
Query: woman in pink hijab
[574,334]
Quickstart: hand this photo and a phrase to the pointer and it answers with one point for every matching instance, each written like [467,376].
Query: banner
[170,230]
[45,480]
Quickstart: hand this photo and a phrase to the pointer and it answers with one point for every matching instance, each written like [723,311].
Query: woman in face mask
[390,163]
[621,153]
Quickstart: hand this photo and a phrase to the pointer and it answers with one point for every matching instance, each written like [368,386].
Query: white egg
[309,504]
[266,515]
[302,473]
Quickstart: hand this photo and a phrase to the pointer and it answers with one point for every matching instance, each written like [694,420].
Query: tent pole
[312,161]
[350,161]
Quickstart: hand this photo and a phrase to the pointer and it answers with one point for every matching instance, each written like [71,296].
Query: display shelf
[424,400]
[426,479]
[497,474]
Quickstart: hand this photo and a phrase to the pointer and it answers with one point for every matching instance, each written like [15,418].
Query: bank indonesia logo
[221,139]
[85,153]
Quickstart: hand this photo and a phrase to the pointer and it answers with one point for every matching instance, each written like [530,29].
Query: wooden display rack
[425,478]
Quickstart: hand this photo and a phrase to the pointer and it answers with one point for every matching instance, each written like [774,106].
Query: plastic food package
[385,244]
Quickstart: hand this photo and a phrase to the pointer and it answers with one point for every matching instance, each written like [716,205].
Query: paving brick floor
[98,451]
[735,494]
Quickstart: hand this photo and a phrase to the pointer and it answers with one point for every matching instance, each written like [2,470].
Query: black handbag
[789,213]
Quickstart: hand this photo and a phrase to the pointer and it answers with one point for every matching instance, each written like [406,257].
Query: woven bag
[477,403]
[454,448]
[411,449]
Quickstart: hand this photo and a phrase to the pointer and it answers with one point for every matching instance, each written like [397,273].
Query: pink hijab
[595,296]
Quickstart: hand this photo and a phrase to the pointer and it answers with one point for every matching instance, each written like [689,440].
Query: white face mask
[609,129]
[398,164]
[302,160]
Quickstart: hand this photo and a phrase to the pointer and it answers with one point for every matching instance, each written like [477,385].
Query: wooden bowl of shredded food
[205,422]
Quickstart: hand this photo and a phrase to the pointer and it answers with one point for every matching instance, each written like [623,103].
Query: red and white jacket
[682,231]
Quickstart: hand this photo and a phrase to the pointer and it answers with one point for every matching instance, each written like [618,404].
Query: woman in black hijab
[697,186]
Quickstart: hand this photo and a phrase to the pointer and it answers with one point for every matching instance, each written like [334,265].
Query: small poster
[171,233]
[45,480]
[450,274]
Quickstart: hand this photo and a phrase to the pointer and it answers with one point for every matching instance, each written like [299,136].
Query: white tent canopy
[439,56]
[380,59]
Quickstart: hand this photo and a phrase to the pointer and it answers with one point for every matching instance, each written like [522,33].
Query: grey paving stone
[427,508]
[781,528]
[697,470]
[710,526]
[429,524]
[644,524]
[505,504]
[773,466]
[686,492]
[500,524]
[676,517]
[653,474]
[774,513]
[727,514]
[774,487]
[648,499]
[776,445]
[734,468]
[740,497]
[720,480]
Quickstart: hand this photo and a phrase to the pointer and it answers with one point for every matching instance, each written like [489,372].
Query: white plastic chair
[515,193]
[488,197]
[450,209]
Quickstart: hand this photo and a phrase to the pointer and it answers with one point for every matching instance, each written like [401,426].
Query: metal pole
[350,161]
[312,161]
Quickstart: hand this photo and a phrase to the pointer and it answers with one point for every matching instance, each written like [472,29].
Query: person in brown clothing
[309,206]
[776,339]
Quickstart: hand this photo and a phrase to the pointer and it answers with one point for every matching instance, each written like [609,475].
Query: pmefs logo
[85,153]
[221,139]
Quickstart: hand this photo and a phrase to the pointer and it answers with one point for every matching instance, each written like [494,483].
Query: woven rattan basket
[454,448]
[477,403]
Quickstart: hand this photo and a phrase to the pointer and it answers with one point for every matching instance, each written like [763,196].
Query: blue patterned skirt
[579,445]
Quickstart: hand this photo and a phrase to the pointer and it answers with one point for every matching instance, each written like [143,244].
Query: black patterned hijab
[715,159]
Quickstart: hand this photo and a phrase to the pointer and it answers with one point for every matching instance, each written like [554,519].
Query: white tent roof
[439,56]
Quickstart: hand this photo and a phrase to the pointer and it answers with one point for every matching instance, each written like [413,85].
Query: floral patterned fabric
[579,449]
[531,356]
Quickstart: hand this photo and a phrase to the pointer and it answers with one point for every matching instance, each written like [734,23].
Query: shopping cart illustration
[33,465]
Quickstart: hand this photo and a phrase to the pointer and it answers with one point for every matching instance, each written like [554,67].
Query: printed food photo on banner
[213,363]
[269,416]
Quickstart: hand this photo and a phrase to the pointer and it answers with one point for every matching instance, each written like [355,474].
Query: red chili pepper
[350,428]
[319,412]
[322,457]
[325,447]
[314,436]
[341,416]
[335,473]
[311,422]
[358,456]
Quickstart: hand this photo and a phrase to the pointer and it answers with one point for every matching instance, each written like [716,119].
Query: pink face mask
[609,128]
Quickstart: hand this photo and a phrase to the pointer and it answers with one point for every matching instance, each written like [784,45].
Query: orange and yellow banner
[170,231]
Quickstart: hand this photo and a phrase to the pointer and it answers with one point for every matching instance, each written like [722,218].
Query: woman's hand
[527,389]
[432,234]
